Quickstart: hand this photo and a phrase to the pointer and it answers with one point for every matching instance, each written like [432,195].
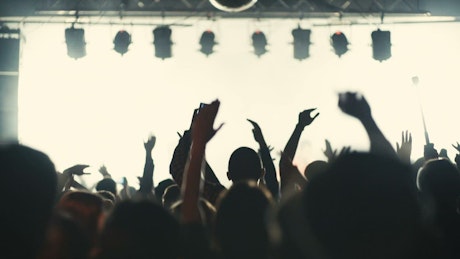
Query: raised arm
[305,119]
[264,151]
[405,149]
[146,182]
[290,176]
[357,107]
[66,179]
[202,132]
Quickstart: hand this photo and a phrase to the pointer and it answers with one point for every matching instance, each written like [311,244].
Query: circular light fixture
[233,5]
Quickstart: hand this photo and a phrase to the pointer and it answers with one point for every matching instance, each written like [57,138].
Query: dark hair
[107,184]
[241,229]
[244,164]
[314,168]
[28,188]
[85,207]
[140,229]
[440,179]
[171,195]
[364,206]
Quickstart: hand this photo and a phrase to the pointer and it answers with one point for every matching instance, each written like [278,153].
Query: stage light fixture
[381,45]
[259,42]
[301,43]
[207,42]
[233,5]
[75,41]
[340,43]
[162,42]
[122,41]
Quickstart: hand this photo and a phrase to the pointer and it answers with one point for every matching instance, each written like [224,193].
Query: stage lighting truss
[340,43]
[233,5]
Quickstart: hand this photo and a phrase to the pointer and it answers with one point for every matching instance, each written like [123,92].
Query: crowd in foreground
[375,204]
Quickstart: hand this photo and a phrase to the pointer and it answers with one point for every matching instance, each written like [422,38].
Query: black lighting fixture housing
[122,41]
[259,42]
[301,43]
[162,42]
[340,43]
[381,45]
[207,42]
[75,41]
[233,5]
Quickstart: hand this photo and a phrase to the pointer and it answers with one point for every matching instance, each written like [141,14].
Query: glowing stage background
[99,109]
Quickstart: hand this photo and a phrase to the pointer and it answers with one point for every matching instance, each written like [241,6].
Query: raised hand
[328,152]
[150,143]
[306,117]
[258,137]
[202,128]
[76,170]
[405,149]
[103,171]
[332,154]
[354,105]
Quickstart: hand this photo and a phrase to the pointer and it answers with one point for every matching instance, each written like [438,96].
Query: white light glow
[99,109]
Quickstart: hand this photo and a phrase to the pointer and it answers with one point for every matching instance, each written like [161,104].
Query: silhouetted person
[65,239]
[243,165]
[439,185]
[241,227]
[365,206]
[140,230]
[107,184]
[28,190]
[86,208]
[171,195]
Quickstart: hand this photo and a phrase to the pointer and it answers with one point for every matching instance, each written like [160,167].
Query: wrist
[299,126]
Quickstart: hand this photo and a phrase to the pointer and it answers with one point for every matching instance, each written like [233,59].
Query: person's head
[315,168]
[241,221]
[170,196]
[85,207]
[107,184]
[162,186]
[244,164]
[141,230]
[364,206]
[28,190]
[440,180]
[65,238]
[108,198]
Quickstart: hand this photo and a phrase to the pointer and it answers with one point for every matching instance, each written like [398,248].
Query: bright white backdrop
[99,109]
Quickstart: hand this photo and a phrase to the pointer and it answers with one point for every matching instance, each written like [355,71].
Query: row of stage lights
[381,43]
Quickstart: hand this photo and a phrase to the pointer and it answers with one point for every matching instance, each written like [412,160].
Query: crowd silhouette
[377,204]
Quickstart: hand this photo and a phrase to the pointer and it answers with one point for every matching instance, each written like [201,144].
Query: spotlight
[207,42]
[340,43]
[301,43]
[233,5]
[381,45]
[122,41]
[259,41]
[162,42]
[75,40]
